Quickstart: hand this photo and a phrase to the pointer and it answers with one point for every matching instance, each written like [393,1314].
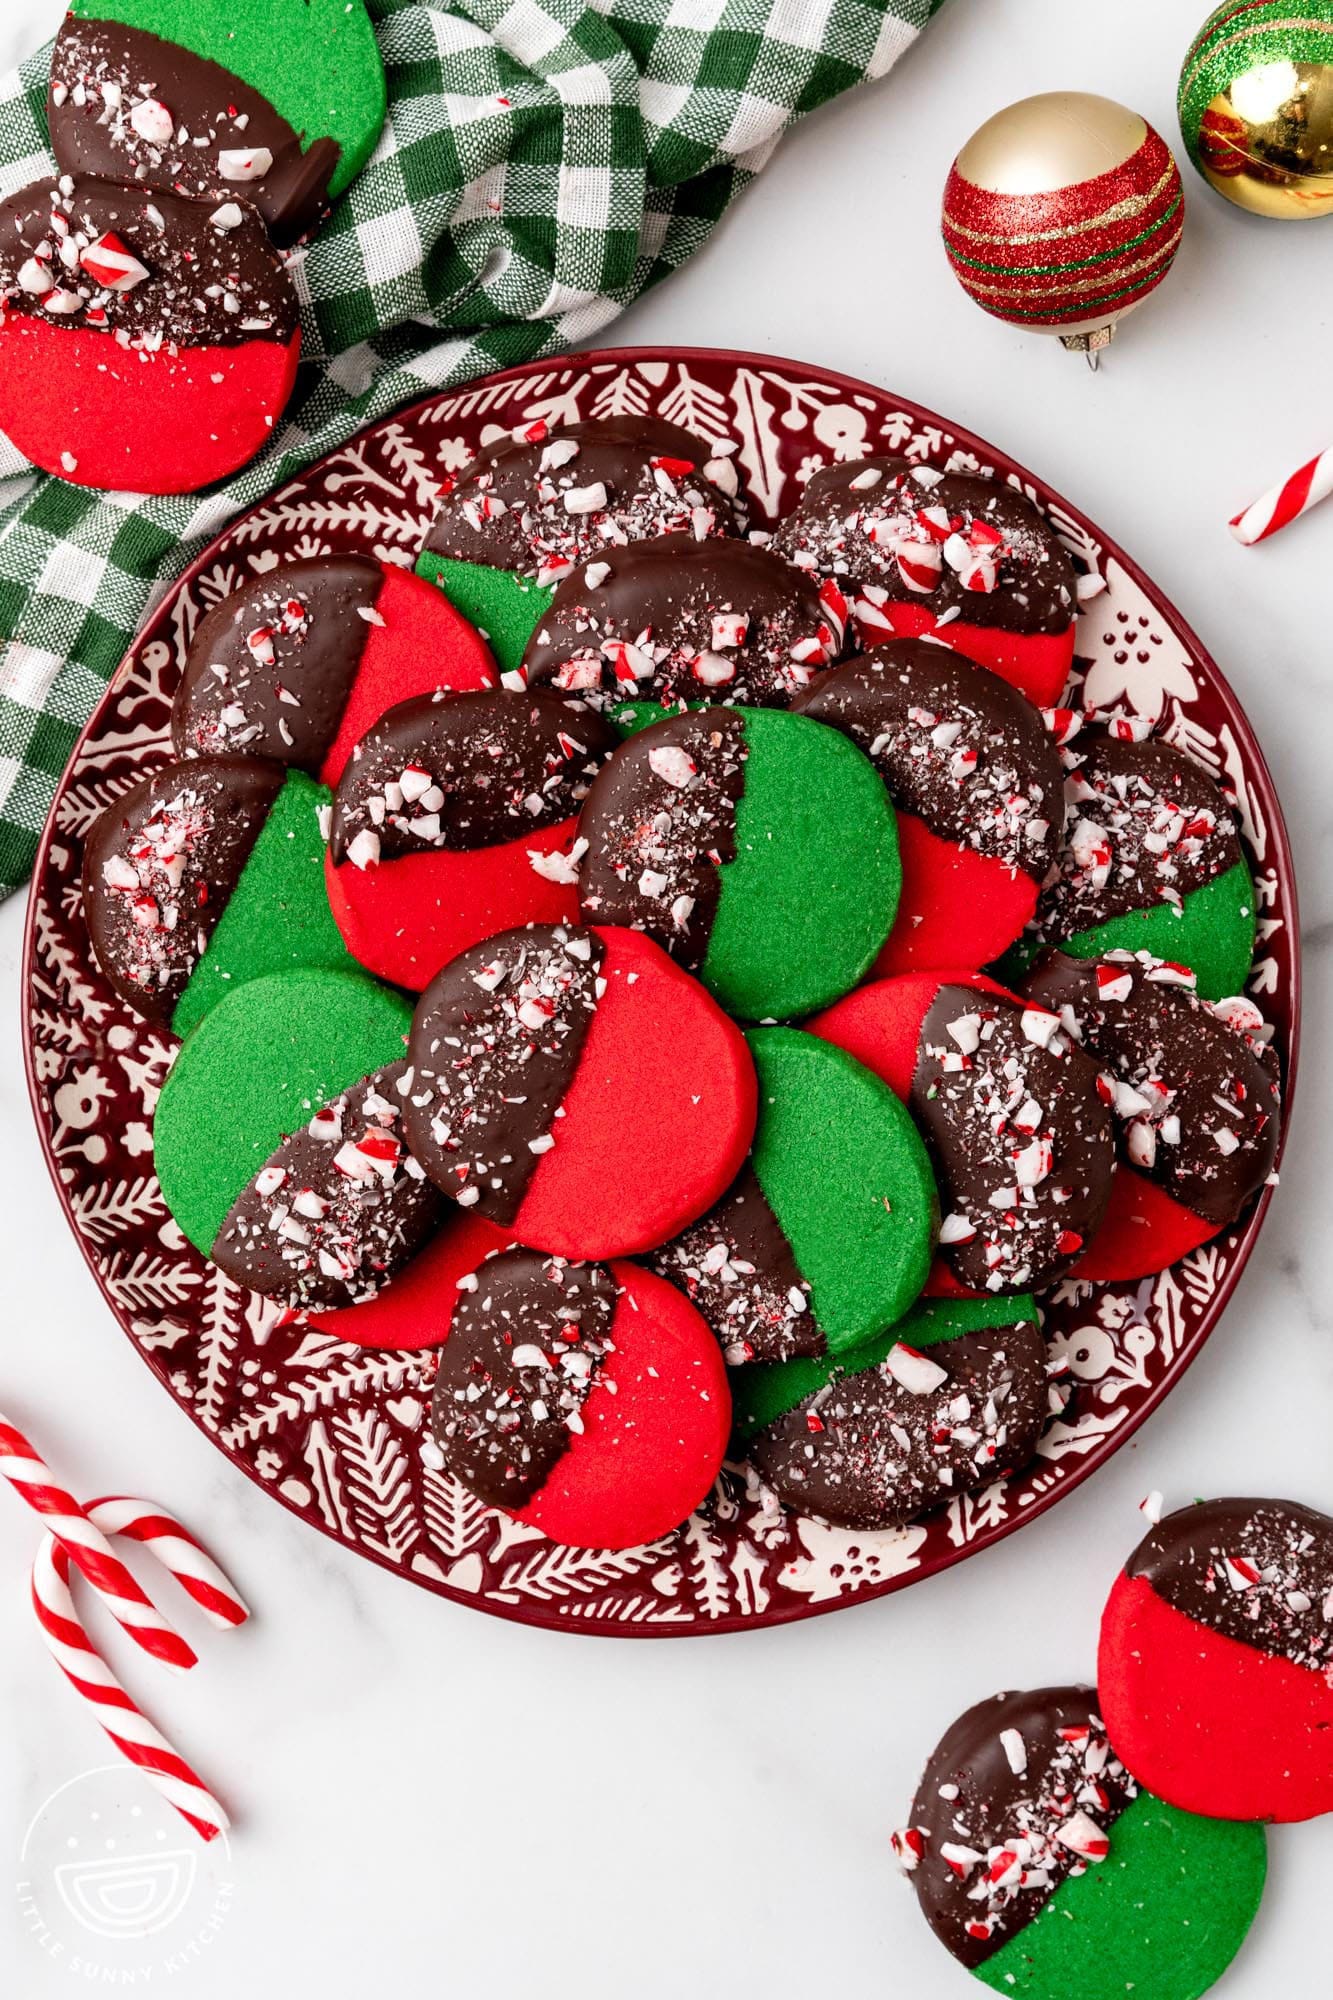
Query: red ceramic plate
[339,1434]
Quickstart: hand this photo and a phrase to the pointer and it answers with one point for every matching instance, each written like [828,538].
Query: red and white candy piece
[1286,502]
[86,1546]
[88,1673]
[111,263]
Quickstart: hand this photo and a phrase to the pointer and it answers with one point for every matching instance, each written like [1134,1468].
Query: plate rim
[544,1616]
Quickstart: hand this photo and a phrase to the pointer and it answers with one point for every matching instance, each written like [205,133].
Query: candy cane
[89,1675]
[177,1551]
[1287,502]
[89,1550]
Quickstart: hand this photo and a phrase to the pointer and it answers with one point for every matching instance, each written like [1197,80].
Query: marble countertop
[426,1798]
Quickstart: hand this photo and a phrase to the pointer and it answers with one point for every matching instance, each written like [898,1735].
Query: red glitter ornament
[1062,214]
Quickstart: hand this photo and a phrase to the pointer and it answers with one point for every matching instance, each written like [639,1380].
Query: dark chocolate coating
[852,533]
[507,507]
[955,745]
[337,1209]
[495,1042]
[270,668]
[646,629]
[206,287]
[527,1339]
[1201,1111]
[986,1111]
[159,866]
[100,70]
[738,1270]
[660,821]
[1258,1571]
[1121,796]
[972,1804]
[499,766]
[865,1451]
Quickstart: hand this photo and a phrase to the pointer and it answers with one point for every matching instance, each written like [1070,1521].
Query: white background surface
[429,1800]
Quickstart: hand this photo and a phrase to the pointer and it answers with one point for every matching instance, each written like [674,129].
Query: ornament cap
[1056,140]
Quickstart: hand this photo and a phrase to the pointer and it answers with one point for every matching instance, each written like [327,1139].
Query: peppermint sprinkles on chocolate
[1257,1571]
[159,866]
[337,1209]
[528,1338]
[155,272]
[968,548]
[463,771]
[676,621]
[1020,1135]
[539,502]
[1144,825]
[660,821]
[495,1042]
[883,1444]
[1021,1793]
[737,1267]
[1192,1085]
[954,744]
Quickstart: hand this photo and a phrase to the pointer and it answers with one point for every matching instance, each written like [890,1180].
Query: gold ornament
[1256,107]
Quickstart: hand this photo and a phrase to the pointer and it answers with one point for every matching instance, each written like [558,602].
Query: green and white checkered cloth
[543,163]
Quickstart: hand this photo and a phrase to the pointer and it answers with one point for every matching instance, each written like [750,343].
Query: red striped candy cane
[90,1676]
[90,1551]
[177,1551]
[1286,502]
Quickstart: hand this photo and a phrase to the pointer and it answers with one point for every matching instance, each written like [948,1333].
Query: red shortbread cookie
[1193,1088]
[1010,1109]
[977,786]
[454,819]
[1215,1672]
[588,1400]
[146,343]
[300,662]
[577,1088]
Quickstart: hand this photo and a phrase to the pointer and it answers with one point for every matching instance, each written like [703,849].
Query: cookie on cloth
[144,343]
[588,1400]
[454,818]
[300,661]
[1046,1871]
[278,1139]
[919,552]
[1151,861]
[537,503]
[1011,1112]
[756,847]
[826,1236]
[574,1086]
[976,781]
[278,105]
[951,1398]
[1216,1660]
[1195,1092]
[209,873]
[680,621]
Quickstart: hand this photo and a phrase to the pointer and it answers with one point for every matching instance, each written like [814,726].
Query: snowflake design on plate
[338,1433]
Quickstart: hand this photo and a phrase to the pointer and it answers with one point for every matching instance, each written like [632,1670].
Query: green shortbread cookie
[1212,932]
[277,916]
[315,61]
[253,1071]
[505,608]
[759,847]
[827,1235]
[1161,1918]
